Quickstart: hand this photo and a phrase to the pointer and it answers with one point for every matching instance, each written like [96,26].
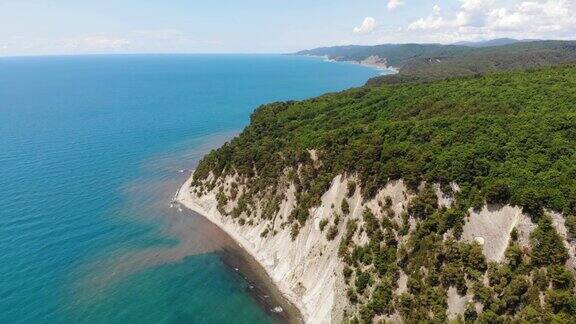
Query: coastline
[373,64]
[301,269]
[184,198]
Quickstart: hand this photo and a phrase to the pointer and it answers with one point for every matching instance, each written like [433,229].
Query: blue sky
[35,27]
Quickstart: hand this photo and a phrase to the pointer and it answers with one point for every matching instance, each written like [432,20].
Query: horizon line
[141,53]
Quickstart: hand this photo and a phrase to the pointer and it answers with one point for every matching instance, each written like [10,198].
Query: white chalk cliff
[308,270]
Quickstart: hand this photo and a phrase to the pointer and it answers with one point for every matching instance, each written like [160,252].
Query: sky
[41,27]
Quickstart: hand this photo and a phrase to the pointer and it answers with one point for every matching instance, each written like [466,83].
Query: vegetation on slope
[396,54]
[503,138]
[529,286]
[485,60]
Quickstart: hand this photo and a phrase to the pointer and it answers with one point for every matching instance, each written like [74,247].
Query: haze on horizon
[40,27]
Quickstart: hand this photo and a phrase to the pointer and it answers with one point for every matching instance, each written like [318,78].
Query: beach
[185,198]
[306,268]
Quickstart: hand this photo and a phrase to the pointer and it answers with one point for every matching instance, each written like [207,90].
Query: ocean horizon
[92,151]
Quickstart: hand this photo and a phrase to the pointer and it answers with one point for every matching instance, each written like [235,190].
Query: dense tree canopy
[507,137]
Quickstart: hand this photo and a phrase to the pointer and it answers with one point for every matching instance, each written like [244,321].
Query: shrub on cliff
[332,232]
[323,224]
[345,207]
[363,280]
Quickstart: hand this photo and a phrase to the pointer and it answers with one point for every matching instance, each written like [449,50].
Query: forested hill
[427,62]
[396,55]
[509,133]
[502,139]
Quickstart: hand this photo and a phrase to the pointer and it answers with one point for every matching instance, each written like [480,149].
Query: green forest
[505,138]
[508,137]
[480,61]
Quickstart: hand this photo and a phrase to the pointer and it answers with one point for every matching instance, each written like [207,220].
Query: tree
[547,246]
[367,313]
[540,279]
[530,314]
[424,204]
[532,202]
[470,314]
[498,192]
[561,301]
[352,296]
[561,277]
[454,219]
[488,316]
[371,225]
[514,255]
[351,188]
[382,298]
[473,257]
[347,272]
[514,291]
[363,280]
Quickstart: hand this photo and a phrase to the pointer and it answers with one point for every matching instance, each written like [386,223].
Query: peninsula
[418,200]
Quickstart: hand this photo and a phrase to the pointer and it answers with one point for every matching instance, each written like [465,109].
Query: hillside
[396,55]
[422,202]
[428,62]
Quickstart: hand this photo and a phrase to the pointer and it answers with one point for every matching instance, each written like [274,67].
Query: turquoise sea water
[91,153]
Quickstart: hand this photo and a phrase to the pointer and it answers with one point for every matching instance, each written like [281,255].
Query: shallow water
[92,150]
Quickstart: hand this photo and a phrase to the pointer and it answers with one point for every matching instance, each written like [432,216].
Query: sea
[92,151]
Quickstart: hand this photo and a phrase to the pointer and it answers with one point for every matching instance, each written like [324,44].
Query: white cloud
[473,12]
[393,4]
[536,16]
[367,26]
[433,22]
[135,41]
[481,19]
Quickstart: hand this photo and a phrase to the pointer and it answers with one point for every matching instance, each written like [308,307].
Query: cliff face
[376,61]
[308,269]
